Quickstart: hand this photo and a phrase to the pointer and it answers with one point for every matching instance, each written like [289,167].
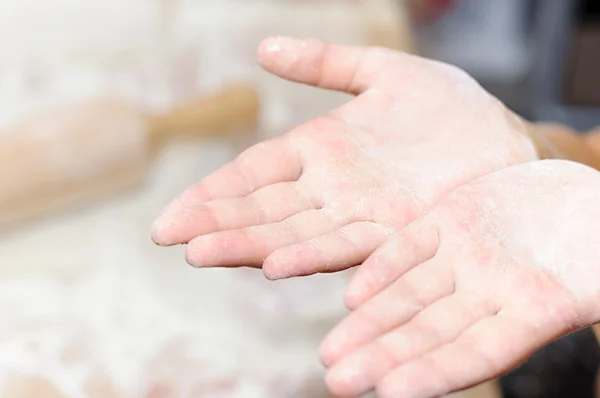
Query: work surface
[88,294]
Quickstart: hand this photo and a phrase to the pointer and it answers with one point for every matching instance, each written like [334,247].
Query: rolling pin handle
[235,106]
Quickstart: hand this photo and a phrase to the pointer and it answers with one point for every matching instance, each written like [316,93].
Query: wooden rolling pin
[65,157]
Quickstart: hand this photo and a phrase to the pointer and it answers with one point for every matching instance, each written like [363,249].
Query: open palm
[323,196]
[502,266]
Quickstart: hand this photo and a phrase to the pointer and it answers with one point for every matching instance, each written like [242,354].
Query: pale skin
[500,267]
[325,196]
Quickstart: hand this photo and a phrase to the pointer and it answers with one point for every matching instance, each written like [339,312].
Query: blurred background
[110,108]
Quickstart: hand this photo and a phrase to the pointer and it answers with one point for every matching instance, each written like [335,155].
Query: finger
[488,349]
[416,244]
[401,301]
[433,327]
[345,248]
[251,246]
[264,164]
[268,205]
[342,68]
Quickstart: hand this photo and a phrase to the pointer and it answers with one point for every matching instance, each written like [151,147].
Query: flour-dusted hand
[322,197]
[499,268]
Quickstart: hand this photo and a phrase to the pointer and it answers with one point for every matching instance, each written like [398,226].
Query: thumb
[316,63]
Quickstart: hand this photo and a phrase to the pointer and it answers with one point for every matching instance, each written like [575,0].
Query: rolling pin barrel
[69,156]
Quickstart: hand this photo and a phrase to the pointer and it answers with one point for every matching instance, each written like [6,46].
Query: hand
[501,267]
[322,197]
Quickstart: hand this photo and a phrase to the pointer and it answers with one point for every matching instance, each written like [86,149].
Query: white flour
[524,215]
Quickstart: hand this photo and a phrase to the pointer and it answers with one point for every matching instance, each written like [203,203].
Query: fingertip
[340,384]
[198,250]
[327,352]
[272,269]
[358,290]
[280,55]
[172,228]
[270,45]
[285,263]
[353,298]
[334,385]
[158,240]
[155,236]
[270,272]
[159,232]
[270,50]
[334,346]
[277,45]
[191,257]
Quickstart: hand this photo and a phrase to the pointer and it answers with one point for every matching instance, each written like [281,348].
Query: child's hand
[322,197]
[501,267]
